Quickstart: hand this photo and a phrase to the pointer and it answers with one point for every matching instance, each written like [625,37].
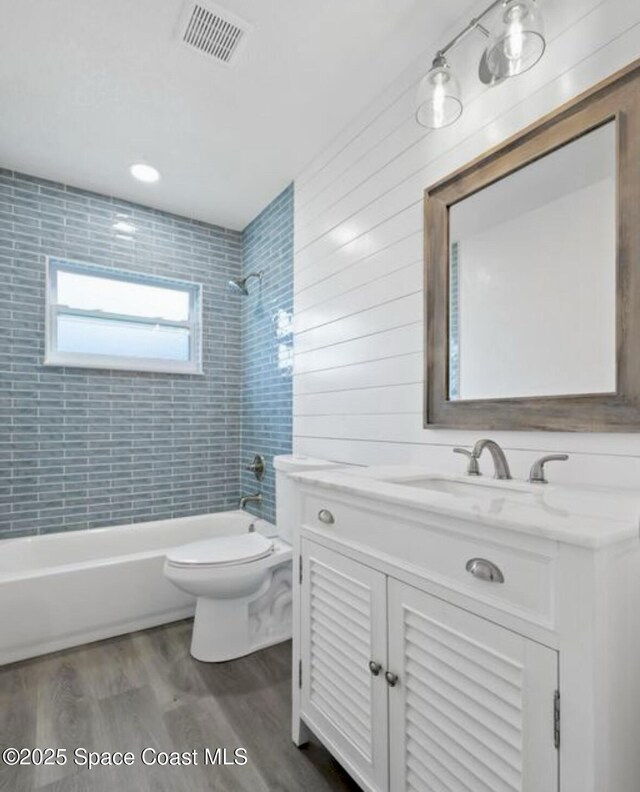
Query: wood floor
[145,690]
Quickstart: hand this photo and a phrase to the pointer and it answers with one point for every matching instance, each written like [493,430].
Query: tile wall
[81,448]
[267,344]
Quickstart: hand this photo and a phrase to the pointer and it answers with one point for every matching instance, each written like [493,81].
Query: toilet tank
[285,488]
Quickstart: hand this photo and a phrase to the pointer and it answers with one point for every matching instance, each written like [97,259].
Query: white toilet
[243,581]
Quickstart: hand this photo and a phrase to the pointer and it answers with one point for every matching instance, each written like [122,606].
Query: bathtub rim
[261,525]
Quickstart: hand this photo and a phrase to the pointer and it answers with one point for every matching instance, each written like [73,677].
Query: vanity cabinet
[468,645]
[413,693]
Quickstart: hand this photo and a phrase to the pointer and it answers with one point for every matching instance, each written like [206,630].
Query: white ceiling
[88,87]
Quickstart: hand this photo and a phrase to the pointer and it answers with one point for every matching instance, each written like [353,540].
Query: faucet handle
[473,468]
[536,475]
[257,467]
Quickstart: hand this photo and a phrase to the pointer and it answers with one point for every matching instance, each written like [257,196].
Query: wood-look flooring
[145,690]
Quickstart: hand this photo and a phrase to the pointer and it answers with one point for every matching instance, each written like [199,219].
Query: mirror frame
[615,99]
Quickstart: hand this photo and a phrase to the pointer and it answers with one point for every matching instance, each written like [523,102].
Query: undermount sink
[470,488]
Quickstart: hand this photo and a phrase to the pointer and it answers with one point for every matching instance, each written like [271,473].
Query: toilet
[243,581]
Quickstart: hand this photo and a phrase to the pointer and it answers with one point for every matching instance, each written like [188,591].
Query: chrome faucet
[256,498]
[500,464]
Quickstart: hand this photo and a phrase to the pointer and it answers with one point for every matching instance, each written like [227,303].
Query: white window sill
[116,364]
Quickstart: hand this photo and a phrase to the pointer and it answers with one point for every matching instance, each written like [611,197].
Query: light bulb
[514,42]
[439,99]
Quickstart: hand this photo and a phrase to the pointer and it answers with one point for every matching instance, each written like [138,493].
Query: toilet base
[225,629]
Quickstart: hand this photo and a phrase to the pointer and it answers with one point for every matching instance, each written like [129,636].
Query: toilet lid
[222,550]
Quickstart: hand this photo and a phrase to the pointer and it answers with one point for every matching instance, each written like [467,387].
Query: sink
[463,487]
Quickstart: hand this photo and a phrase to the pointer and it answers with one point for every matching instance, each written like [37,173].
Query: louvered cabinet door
[474,705]
[343,629]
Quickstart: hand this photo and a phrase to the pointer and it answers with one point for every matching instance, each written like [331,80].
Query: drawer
[439,549]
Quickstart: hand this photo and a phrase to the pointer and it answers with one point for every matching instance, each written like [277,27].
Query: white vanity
[468,634]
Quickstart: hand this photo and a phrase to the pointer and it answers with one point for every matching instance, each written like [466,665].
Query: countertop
[586,516]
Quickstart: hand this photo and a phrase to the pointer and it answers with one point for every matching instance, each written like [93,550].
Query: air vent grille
[213,32]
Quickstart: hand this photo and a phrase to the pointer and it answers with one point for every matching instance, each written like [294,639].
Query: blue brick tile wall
[81,448]
[267,345]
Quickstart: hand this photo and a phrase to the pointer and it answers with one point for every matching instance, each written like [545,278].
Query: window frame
[90,360]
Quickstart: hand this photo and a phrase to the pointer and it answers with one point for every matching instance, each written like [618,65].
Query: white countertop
[590,517]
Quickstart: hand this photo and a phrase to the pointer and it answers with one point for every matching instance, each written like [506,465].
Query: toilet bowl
[243,589]
[243,582]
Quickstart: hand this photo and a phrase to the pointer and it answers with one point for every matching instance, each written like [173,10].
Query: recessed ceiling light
[144,173]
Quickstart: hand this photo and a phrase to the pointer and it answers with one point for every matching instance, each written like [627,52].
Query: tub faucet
[256,498]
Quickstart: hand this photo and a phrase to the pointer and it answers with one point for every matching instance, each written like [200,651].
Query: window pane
[83,335]
[101,293]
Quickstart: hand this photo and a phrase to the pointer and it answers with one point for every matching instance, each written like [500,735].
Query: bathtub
[65,589]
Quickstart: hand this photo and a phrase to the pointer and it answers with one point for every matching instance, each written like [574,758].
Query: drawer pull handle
[374,667]
[325,516]
[392,679]
[485,570]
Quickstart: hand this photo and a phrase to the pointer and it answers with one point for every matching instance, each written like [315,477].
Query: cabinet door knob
[325,516]
[374,667]
[484,570]
[392,679]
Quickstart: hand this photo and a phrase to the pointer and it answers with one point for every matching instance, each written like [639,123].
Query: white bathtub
[65,589]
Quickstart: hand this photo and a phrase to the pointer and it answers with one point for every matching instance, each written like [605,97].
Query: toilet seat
[221,551]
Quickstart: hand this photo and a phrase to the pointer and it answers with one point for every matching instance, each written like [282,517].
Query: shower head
[239,285]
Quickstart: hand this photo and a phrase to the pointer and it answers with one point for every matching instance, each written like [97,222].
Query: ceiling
[88,87]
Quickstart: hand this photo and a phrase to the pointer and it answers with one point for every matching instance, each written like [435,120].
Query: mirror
[532,275]
[532,278]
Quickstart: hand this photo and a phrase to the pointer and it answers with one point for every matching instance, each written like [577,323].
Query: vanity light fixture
[144,173]
[516,42]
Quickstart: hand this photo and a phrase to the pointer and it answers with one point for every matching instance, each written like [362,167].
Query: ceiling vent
[213,31]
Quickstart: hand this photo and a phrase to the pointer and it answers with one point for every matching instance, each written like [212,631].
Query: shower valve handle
[257,467]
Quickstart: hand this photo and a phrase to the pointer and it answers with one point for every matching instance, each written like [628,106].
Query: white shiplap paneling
[358,243]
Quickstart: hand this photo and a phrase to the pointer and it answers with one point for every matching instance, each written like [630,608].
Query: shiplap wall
[358,255]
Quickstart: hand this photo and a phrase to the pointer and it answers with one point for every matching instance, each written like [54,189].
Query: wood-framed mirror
[532,275]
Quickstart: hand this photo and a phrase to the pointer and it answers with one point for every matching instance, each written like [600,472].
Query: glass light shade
[517,39]
[438,100]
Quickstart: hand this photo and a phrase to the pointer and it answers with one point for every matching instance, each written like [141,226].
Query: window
[105,318]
